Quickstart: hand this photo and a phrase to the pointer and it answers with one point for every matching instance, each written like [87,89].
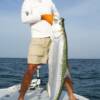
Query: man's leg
[27,80]
[69,88]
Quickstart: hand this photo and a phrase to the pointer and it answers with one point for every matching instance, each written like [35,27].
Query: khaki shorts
[38,50]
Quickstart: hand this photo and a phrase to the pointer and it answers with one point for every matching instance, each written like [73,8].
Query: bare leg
[27,80]
[69,87]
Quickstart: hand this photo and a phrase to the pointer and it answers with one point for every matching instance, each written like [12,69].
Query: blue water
[85,74]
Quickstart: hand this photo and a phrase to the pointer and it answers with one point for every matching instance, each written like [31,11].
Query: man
[39,15]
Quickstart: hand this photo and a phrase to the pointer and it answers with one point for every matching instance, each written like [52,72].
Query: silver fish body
[58,63]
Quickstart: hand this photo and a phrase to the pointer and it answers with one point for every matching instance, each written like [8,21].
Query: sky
[82,23]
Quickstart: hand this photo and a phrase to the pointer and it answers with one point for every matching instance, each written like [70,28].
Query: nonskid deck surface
[39,93]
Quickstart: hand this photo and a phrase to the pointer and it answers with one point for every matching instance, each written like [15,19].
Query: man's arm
[55,11]
[26,14]
[50,18]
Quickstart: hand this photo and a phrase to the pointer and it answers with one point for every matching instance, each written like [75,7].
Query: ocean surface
[85,74]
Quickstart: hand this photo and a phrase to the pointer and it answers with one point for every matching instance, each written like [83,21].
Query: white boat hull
[12,93]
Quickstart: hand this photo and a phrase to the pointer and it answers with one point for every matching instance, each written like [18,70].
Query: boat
[35,92]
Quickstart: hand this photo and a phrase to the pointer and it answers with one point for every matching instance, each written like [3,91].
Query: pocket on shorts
[36,50]
[47,42]
[44,42]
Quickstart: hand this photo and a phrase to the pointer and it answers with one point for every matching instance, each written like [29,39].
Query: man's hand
[48,18]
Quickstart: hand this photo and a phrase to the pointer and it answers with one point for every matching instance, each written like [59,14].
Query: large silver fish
[58,61]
